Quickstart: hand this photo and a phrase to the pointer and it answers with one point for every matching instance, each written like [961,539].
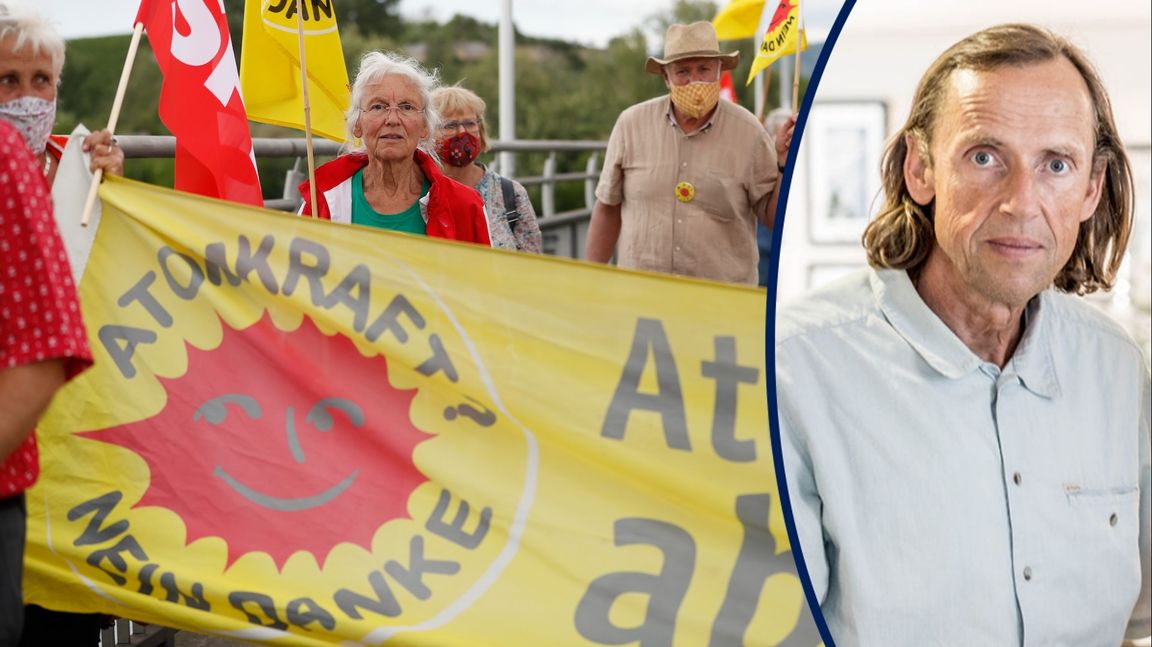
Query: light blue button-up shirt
[940,500]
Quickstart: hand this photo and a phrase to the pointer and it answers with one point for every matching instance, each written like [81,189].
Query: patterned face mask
[697,98]
[33,117]
[459,150]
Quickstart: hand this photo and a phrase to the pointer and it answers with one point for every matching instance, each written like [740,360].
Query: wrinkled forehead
[696,63]
[27,56]
[459,112]
[1051,91]
[392,88]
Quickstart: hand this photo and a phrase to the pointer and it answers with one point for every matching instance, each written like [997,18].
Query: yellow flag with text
[298,432]
[784,36]
[270,65]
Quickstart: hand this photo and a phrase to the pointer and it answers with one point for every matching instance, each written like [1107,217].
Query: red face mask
[459,150]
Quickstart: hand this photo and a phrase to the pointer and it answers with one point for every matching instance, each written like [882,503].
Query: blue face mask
[33,117]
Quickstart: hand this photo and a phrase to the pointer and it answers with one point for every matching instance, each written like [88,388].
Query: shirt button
[1016,478]
[1027,572]
[1113,519]
[685,165]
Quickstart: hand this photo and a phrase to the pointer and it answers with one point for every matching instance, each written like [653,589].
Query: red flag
[200,99]
[727,88]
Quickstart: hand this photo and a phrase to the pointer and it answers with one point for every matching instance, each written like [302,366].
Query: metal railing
[125,632]
[564,231]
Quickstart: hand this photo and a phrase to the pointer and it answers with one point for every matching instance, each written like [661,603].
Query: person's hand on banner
[105,153]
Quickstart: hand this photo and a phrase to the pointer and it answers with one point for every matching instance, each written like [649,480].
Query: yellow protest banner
[270,65]
[306,433]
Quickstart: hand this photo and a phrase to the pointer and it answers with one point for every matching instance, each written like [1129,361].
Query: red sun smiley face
[279,442]
[319,418]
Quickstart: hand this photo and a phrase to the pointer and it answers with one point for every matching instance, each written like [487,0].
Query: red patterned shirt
[39,313]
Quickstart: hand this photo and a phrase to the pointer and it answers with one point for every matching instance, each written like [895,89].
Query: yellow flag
[784,36]
[304,433]
[738,19]
[270,66]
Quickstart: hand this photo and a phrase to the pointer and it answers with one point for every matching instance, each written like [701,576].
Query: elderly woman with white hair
[31,59]
[391,179]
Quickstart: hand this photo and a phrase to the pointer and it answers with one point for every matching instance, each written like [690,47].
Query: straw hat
[697,40]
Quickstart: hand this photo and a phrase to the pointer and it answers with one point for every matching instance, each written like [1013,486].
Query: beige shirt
[731,166]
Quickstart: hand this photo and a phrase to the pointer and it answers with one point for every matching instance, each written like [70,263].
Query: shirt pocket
[1107,527]
[721,195]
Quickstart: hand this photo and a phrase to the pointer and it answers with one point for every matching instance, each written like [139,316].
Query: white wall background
[885,47]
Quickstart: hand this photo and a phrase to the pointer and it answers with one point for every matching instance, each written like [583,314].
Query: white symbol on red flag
[200,99]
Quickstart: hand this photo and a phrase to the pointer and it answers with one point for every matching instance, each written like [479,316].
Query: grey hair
[32,29]
[374,66]
[776,119]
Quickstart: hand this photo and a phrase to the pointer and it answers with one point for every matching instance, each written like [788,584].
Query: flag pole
[796,71]
[90,202]
[796,84]
[767,78]
[307,107]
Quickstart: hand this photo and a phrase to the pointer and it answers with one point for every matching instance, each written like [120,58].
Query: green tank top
[409,220]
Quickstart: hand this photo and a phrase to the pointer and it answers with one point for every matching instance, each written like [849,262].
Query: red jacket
[454,211]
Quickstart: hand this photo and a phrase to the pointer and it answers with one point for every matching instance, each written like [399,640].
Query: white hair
[31,28]
[374,66]
[776,119]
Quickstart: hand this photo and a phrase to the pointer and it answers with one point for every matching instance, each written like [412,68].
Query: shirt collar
[1032,362]
[913,320]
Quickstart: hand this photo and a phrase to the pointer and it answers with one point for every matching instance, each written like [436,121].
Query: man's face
[688,70]
[1013,174]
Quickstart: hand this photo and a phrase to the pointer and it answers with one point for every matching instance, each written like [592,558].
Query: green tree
[378,17]
[683,12]
[564,91]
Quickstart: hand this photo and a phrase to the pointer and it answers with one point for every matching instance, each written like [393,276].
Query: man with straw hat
[686,176]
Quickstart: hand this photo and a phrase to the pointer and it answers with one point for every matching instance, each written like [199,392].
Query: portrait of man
[965,440]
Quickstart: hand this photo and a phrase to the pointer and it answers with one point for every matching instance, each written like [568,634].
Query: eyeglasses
[466,124]
[378,109]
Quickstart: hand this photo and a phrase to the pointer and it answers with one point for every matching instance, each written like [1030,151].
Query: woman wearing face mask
[391,180]
[462,138]
[31,58]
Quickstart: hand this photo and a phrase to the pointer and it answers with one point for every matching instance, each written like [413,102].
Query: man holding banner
[686,176]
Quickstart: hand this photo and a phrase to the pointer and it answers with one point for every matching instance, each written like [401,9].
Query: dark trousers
[47,628]
[12,519]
